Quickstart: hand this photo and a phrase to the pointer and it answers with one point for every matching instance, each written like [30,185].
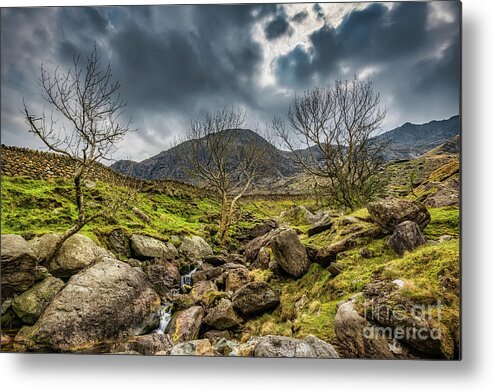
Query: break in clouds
[176,63]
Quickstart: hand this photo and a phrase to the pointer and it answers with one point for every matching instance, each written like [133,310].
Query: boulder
[222,316]
[290,253]
[406,238]
[163,276]
[119,243]
[75,254]
[324,225]
[17,265]
[195,248]
[236,278]
[144,247]
[252,248]
[389,213]
[260,229]
[360,339]
[207,274]
[185,324]
[200,347]
[108,301]
[300,216]
[215,260]
[254,298]
[144,344]
[215,335]
[272,346]
[29,305]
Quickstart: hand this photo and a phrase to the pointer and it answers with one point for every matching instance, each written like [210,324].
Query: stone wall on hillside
[41,165]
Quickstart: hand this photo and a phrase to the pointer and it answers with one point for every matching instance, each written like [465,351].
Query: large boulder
[406,238]
[17,265]
[195,248]
[185,324]
[222,316]
[75,254]
[272,346]
[253,247]
[163,276]
[389,213]
[29,305]
[107,302]
[290,253]
[359,338]
[254,298]
[200,347]
[145,247]
[144,344]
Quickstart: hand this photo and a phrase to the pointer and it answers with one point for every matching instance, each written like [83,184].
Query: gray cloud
[176,63]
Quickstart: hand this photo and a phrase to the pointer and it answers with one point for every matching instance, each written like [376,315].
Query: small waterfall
[186,280]
[164,317]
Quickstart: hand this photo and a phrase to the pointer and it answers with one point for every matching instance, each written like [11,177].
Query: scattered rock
[163,276]
[141,215]
[144,247]
[366,253]
[185,324]
[119,243]
[215,260]
[29,305]
[360,339]
[272,346]
[208,274]
[109,301]
[17,265]
[445,238]
[145,344]
[406,237]
[324,225]
[389,213]
[222,316]
[200,347]
[334,269]
[215,335]
[254,298]
[195,248]
[260,229]
[237,278]
[253,247]
[290,253]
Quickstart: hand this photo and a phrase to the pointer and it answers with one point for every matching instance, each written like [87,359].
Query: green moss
[445,220]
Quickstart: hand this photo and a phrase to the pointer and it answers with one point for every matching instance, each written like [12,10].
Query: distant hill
[412,140]
[405,142]
[168,163]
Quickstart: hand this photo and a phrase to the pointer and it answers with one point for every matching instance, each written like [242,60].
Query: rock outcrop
[195,248]
[29,305]
[290,254]
[107,302]
[144,247]
[406,238]
[254,298]
[18,262]
[389,213]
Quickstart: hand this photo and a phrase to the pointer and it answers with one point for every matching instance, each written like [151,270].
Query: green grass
[444,220]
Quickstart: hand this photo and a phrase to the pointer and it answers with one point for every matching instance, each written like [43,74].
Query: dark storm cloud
[178,62]
[277,27]
[396,47]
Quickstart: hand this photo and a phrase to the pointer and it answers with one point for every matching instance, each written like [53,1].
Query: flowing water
[186,280]
[165,314]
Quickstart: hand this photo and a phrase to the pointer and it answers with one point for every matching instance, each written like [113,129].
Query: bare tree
[217,161]
[329,132]
[88,127]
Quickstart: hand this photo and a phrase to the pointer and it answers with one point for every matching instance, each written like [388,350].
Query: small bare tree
[217,161]
[88,128]
[329,132]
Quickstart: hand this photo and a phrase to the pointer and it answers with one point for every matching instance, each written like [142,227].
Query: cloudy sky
[176,63]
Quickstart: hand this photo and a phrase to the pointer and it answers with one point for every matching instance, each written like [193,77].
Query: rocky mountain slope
[405,142]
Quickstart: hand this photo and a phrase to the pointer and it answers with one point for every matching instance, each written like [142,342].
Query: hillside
[405,142]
